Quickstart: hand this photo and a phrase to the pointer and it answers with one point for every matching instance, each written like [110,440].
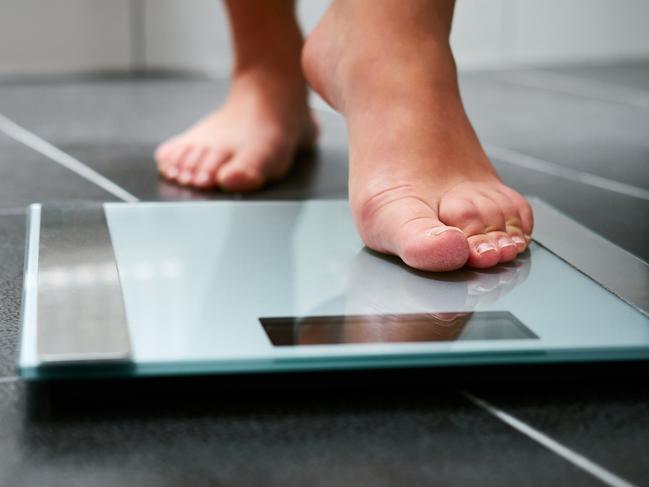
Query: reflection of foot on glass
[382,285]
[394,328]
[420,184]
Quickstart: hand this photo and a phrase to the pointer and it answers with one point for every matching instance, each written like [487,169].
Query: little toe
[483,251]
[524,211]
[513,220]
[516,235]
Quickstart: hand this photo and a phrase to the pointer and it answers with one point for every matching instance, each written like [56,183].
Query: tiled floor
[381,431]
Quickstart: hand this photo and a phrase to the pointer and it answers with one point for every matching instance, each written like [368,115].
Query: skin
[421,186]
[253,138]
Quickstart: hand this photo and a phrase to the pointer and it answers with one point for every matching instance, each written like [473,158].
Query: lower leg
[421,186]
[253,137]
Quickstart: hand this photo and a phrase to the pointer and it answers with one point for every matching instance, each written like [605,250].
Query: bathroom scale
[164,289]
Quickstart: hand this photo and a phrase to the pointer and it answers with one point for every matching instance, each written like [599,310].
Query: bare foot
[420,184]
[249,141]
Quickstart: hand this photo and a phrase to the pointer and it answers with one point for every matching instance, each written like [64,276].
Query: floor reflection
[381,284]
[388,302]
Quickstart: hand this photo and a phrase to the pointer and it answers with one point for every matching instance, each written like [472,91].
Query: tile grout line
[542,79]
[52,152]
[31,140]
[516,158]
[578,460]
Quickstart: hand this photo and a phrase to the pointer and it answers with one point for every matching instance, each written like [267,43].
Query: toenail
[185,177]
[172,172]
[433,232]
[485,247]
[202,178]
[519,240]
[505,242]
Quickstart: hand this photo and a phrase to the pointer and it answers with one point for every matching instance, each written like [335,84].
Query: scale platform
[162,289]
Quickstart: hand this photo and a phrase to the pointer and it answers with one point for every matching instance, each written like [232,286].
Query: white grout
[35,142]
[580,461]
[578,86]
[534,163]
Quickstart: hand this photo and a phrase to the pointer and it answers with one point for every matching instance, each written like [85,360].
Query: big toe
[430,245]
[240,178]
[168,157]
[252,168]
[409,228]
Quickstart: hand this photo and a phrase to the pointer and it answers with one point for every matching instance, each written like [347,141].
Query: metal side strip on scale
[612,267]
[80,307]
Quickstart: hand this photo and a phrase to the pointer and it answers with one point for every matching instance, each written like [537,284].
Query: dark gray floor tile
[626,74]
[607,422]
[12,244]
[601,138]
[621,219]
[28,177]
[128,110]
[263,437]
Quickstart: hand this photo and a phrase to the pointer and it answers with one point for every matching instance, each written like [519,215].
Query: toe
[462,213]
[409,227]
[429,245]
[524,211]
[188,163]
[507,247]
[239,177]
[513,220]
[247,170]
[477,216]
[163,151]
[483,252]
[170,166]
[491,214]
[205,171]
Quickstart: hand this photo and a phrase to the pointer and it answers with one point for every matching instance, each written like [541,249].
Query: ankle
[271,43]
[344,63]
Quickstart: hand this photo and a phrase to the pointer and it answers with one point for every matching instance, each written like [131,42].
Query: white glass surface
[197,278]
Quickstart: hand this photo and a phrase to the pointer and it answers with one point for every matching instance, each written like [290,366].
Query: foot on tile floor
[250,141]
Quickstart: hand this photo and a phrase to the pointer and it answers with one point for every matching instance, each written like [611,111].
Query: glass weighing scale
[162,289]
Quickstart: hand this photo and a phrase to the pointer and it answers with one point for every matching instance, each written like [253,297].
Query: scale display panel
[231,287]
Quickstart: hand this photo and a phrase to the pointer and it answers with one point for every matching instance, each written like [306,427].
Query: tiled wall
[64,35]
[83,35]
